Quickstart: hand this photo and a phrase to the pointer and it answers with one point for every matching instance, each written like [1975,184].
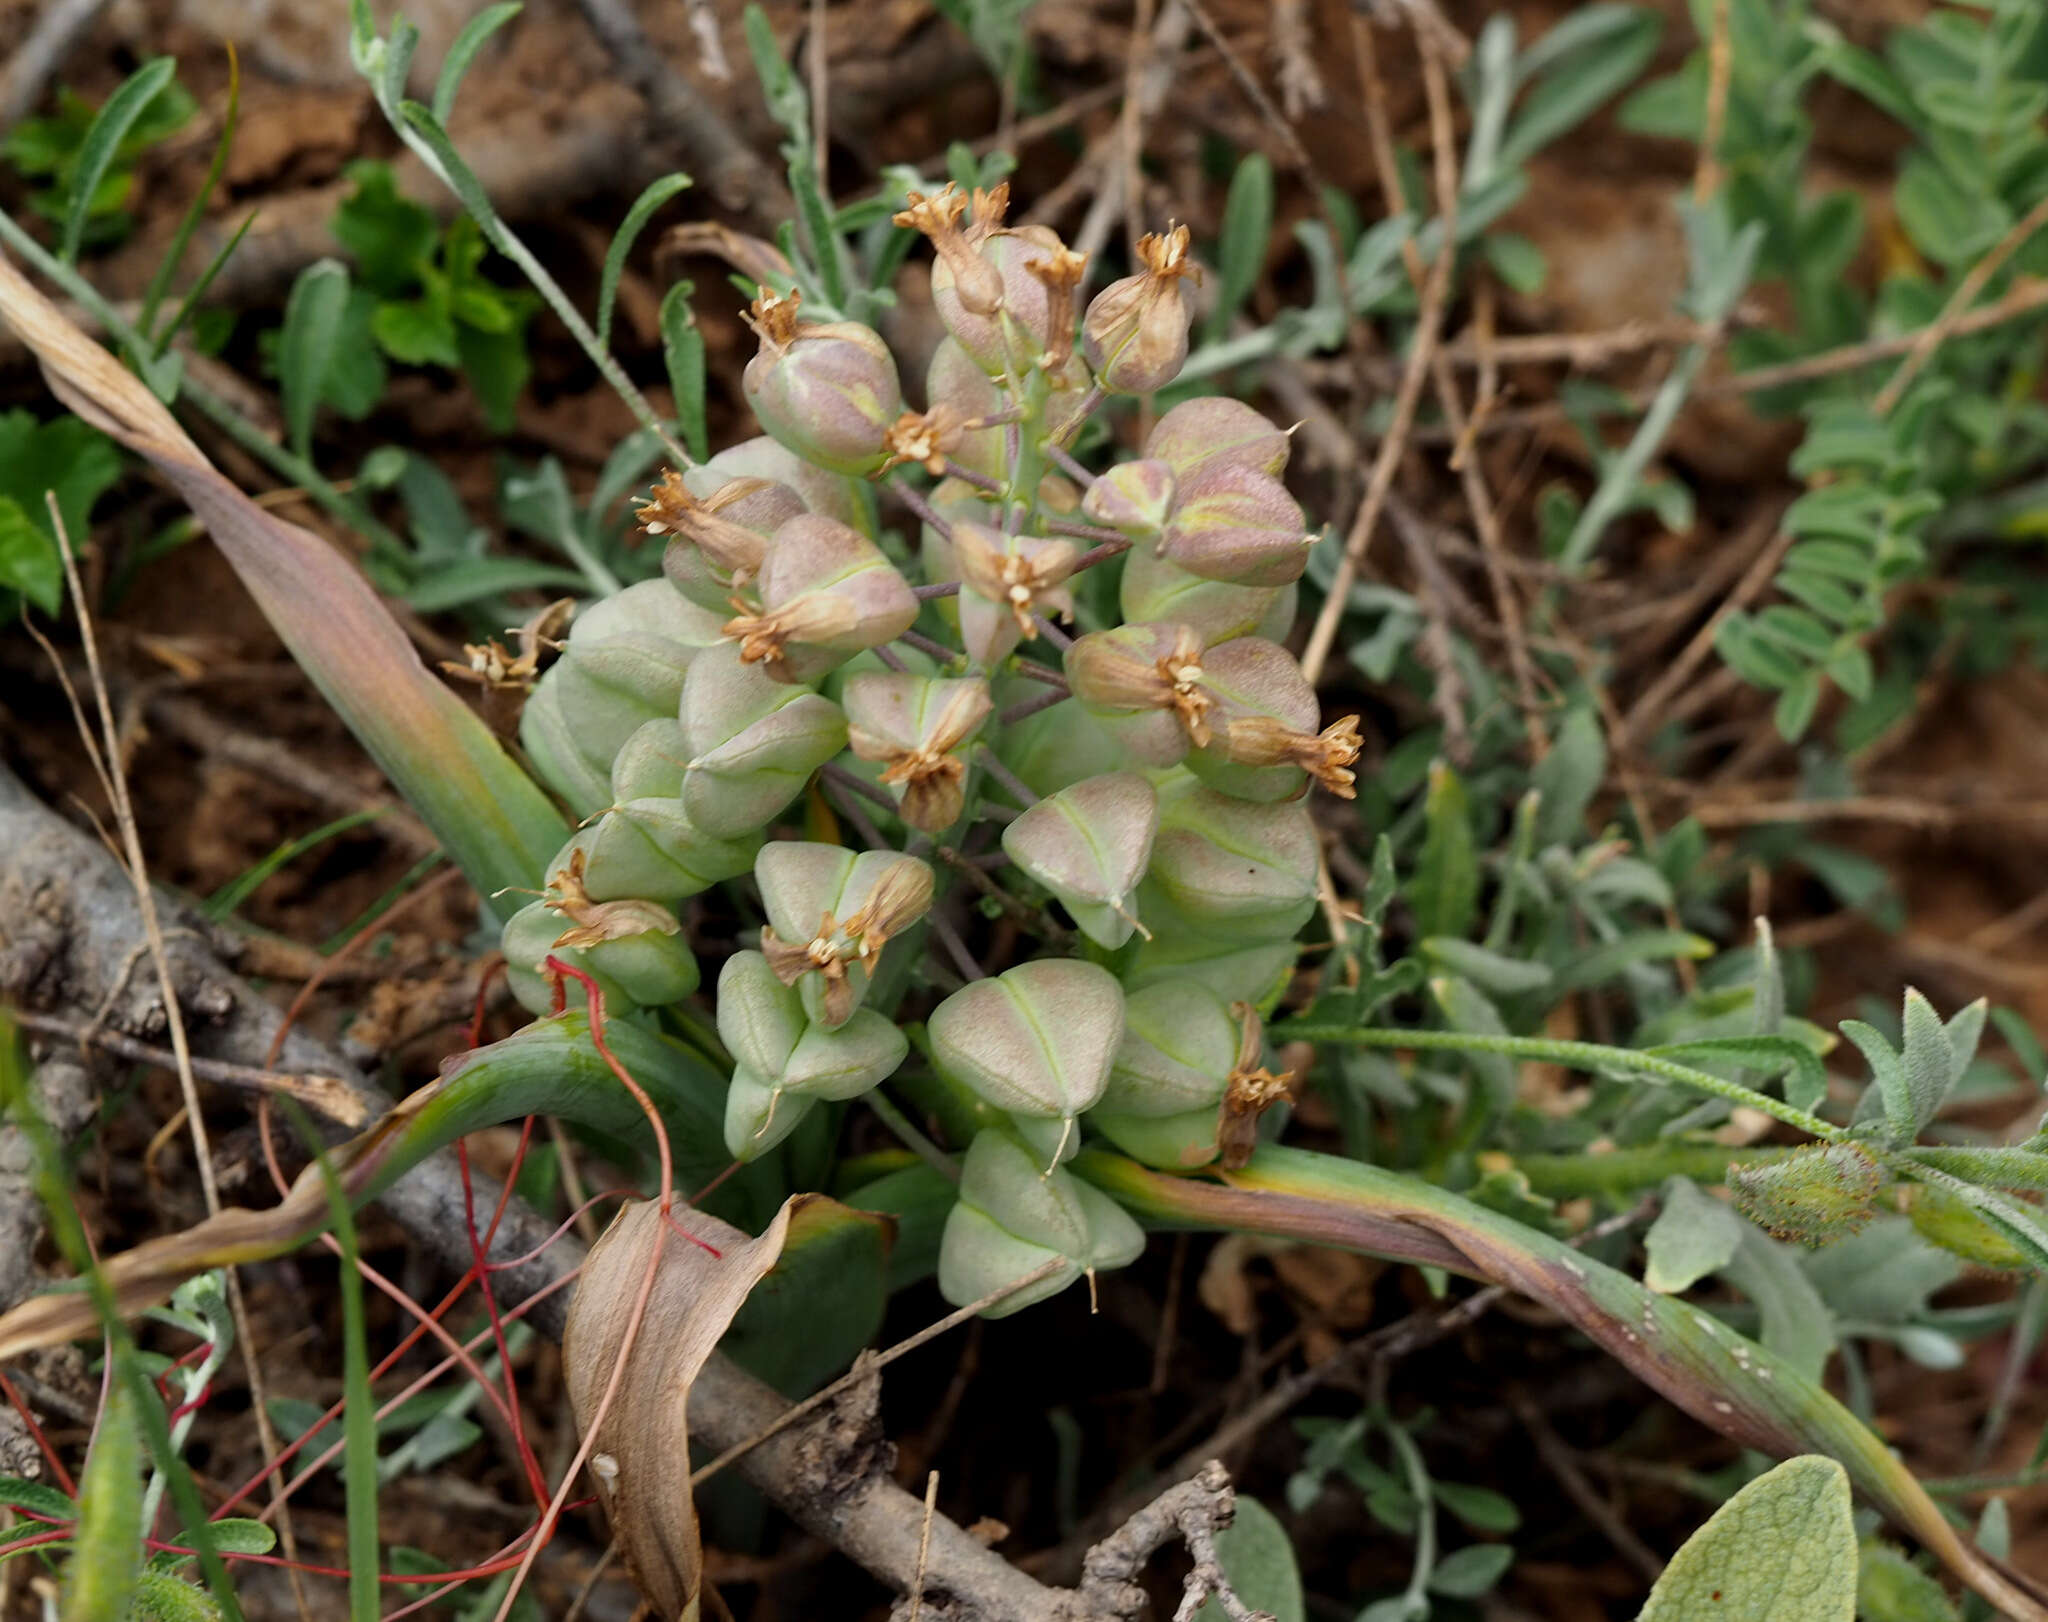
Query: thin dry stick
[330,1095]
[1559,1460]
[821,84]
[924,1543]
[1486,520]
[1930,337]
[1706,179]
[174,1015]
[1644,713]
[1294,61]
[1254,92]
[1435,292]
[1136,59]
[869,1365]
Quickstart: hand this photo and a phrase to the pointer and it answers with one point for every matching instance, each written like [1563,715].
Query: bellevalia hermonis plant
[1156,786]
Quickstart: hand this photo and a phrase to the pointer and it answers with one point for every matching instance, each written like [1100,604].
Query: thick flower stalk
[884,691]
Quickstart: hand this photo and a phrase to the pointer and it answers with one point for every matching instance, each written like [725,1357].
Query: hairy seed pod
[827,593]
[1232,869]
[1154,589]
[1198,436]
[1013,1217]
[1089,845]
[1135,331]
[1006,580]
[830,913]
[828,391]
[1134,498]
[1230,523]
[1263,744]
[623,666]
[1814,1197]
[919,728]
[750,743]
[1035,1041]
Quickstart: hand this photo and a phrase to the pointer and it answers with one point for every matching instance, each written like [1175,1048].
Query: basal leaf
[102,144]
[1781,1550]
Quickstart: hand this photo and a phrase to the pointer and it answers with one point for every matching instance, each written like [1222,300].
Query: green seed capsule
[1036,1041]
[827,593]
[1235,870]
[651,849]
[750,743]
[830,913]
[1215,431]
[1014,1217]
[919,728]
[783,1063]
[623,666]
[648,968]
[1152,588]
[828,391]
[1089,845]
[1234,524]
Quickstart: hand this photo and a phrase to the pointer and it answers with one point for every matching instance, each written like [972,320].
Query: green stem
[1576,1055]
[1621,1172]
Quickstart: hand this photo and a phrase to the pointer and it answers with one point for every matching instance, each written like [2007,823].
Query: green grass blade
[225,901]
[160,283]
[101,1307]
[197,291]
[657,193]
[463,52]
[359,1412]
[102,143]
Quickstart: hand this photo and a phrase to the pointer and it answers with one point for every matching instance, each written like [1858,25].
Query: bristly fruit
[1813,1197]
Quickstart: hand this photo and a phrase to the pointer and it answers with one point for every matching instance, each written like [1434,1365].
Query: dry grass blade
[646,1318]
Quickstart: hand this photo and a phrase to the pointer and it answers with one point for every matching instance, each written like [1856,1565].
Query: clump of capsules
[1081,707]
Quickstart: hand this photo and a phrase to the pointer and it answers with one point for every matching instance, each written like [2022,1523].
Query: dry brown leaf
[640,1454]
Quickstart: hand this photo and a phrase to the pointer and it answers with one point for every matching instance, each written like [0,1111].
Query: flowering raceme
[1119,767]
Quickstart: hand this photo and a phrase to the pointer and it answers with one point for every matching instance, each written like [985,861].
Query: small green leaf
[1445,889]
[36,1498]
[682,347]
[1480,1508]
[1258,1558]
[460,54]
[1890,1588]
[102,144]
[1929,1059]
[1569,776]
[1472,1570]
[1781,1550]
[1466,1008]
[417,332]
[1889,1075]
[29,562]
[1491,971]
[390,236]
[1241,246]
[306,347]
[657,193]
[1694,1235]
